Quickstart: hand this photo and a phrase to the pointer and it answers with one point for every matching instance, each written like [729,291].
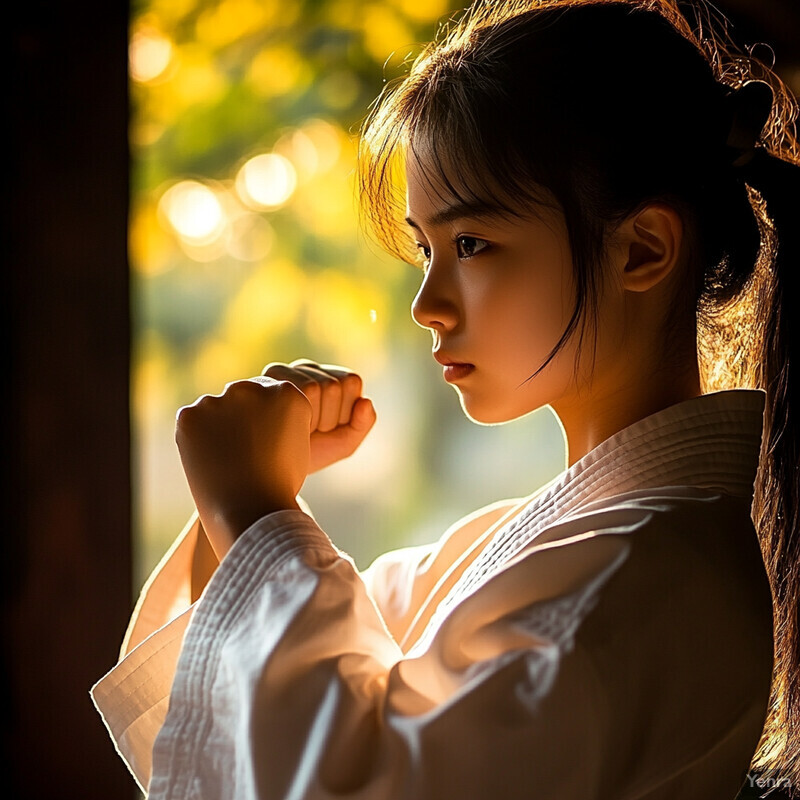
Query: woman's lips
[453,370]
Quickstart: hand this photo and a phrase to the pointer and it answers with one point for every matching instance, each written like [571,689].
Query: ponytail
[748,313]
[776,508]
[749,335]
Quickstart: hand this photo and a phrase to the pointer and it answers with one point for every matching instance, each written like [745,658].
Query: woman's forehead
[437,192]
[432,197]
[433,180]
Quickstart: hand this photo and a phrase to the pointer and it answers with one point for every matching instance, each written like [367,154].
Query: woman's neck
[593,414]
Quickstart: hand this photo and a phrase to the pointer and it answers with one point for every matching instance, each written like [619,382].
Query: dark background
[67,565]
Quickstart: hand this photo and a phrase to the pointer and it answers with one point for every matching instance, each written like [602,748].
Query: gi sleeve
[290,685]
[400,581]
[133,697]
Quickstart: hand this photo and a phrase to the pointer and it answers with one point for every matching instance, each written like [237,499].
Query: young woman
[593,188]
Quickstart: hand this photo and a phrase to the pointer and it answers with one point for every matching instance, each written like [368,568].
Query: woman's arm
[605,660]
[289,684]
[405,583]
[133,696]
[172,586]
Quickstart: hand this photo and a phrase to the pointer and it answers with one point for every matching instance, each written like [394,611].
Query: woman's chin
[489,413]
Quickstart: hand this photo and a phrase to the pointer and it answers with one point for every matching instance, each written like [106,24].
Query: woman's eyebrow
[476,209]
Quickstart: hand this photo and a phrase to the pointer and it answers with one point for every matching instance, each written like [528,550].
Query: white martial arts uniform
[607,638]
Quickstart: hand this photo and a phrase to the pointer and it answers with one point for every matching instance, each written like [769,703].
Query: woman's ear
[650,242]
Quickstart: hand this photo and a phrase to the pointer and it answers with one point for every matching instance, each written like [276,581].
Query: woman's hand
[340,417]
[246,452]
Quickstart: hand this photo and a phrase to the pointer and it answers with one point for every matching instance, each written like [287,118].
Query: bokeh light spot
[384,32]
[231,20]
[423,10]
[149,54]
[193,211]
[327,141]
[266,181]
[278,70]
[298,147]
[198,78]
[251,238]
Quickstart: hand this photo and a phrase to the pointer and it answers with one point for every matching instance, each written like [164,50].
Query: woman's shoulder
[685,540]
[678,540]
[664,593]
[692,513]
[676,573]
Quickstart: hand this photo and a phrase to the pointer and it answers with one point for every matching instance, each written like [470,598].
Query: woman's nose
[435,305]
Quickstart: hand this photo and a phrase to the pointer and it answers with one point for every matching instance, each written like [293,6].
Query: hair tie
[749,107]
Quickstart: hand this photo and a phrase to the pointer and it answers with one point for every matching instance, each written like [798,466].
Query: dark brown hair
[602,106]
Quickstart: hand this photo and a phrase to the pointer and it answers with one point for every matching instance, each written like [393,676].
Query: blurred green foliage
[239,260]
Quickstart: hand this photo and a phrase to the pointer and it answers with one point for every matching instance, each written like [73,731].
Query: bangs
[458,167]
[455,130]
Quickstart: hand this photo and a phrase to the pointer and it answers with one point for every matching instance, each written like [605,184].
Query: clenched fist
[340,416]
[246,452]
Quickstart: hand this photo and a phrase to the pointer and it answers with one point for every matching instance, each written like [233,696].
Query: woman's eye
[468,246]
[425,252]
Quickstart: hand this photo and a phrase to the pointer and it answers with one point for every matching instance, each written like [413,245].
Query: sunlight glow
[327,141]
[267,305]
[313,149]
[149,55]
[194,212]
[197,80]
[384,31]
[423,10]
[266,181]
[252,237]
[297,146]
[231,20]
[278,70]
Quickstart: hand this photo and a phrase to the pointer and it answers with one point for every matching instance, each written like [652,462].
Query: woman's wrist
[223,528]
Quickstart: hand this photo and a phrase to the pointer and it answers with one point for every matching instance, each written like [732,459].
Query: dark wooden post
[66,582]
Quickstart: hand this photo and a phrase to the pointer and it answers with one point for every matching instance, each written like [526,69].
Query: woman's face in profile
[497,295]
